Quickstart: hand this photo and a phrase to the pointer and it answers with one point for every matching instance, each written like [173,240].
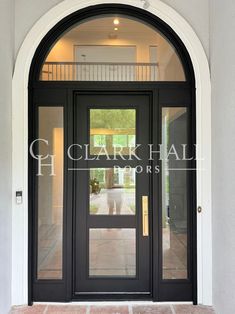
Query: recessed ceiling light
[116,22]
[116,29]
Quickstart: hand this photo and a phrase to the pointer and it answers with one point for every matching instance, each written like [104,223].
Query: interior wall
[6,65]
[223,153]
[66,52]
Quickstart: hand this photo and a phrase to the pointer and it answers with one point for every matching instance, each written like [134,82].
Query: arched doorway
[115,222]
[60,98]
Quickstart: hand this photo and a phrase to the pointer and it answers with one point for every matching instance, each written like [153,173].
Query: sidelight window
[50,194]
[174,195]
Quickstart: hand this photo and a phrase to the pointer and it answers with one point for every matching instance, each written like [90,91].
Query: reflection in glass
[112,191]
[112,129]
[112,252]
[50,195]
[174,195]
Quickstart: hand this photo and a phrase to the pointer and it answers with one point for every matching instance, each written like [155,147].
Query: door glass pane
[174,194]
[112,252]
[112,131]
[50,194]
[112,191]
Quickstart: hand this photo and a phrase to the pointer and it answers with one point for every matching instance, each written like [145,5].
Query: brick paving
[121,308]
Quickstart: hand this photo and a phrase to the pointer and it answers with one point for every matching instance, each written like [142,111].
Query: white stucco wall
[6,65]
[196,12]
[222,61]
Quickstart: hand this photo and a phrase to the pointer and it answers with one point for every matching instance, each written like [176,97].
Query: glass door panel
[174,194]
[50,194]
[112,191]
[112,255]
[112,130]
[112,252]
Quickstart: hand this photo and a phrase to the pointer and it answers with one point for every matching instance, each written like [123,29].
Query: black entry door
[111,216]
[108,226]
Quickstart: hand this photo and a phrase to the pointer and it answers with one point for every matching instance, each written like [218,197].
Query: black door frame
[54,93]
[140,285]
[167,290]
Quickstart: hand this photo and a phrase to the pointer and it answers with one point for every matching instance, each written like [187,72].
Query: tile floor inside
[111,252]
[126,308]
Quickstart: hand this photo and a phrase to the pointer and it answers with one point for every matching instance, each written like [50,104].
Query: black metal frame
[61,93]
[140,285]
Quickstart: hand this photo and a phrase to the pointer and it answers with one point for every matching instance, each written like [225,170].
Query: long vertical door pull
[145,216]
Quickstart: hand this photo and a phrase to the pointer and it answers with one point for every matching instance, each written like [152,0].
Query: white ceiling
[105,25]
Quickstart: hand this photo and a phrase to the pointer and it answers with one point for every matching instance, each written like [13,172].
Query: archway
[201,74]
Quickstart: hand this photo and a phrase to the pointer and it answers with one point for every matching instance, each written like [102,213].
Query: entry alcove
[111,75]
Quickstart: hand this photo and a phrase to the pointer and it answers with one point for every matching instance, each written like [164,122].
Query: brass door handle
[145,216]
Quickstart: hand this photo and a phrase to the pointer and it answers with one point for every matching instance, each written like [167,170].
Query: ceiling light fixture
[116,22]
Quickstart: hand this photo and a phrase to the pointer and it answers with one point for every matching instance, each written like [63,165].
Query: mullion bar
[115,221]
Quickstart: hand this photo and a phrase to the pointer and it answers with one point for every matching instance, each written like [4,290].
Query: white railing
[84,71]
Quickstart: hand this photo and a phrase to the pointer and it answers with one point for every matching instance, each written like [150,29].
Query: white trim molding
[20,139]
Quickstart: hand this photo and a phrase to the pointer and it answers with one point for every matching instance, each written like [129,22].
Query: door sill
[112,297]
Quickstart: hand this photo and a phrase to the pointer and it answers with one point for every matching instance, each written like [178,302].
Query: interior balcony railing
[95,71]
